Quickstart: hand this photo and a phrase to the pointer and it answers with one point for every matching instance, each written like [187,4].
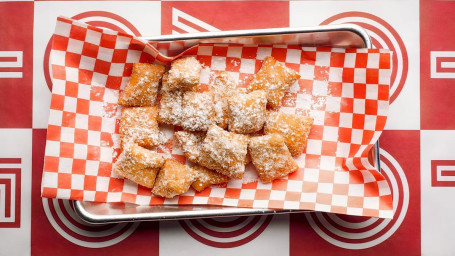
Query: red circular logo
[353,232]
[383,35]
[226,232]
[63,219]
[96,18]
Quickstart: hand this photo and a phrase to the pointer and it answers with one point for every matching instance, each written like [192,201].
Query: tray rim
[220,211]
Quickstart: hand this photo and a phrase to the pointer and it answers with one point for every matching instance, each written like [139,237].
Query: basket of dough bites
[259,126]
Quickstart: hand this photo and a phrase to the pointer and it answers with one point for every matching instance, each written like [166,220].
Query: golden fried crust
[138,164]
[247,112]
[198,112]
[275,78]
[173,179]
[294,129]
[171,108]
[190,143]
[271,157]
[206,177]
[139,124]
[224,152]
[143,86]
[222,88]
[184,75]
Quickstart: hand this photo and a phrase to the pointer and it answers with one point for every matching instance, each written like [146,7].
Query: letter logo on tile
[442,64]
[443,173]
[10,192]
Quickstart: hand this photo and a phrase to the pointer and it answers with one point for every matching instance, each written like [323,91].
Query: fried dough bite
[206,177]
[271,157]
[293,128]
[247,112]
[275,78]
[173,179]
[139,124]
[190,143]
[171,108]
[138,164]
[198,112]
[224,152]
[143,86]
[222,88]
[183,75]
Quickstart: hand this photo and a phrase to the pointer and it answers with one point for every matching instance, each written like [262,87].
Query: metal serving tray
[343,36]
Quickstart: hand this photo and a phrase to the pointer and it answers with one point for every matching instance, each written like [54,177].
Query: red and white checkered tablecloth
[416,155]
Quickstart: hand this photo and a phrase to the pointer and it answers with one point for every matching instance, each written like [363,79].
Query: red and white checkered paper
[349,89]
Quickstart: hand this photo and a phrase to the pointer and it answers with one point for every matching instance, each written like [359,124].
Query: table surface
[416,153]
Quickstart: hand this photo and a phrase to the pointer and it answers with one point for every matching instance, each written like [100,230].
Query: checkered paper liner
[345,90]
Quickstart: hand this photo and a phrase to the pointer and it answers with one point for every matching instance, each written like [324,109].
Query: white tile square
[67,134]
[330,133]
[333,104]
[96,108]
[373,60]
[65,165]
[94,138]
[80,151]
[116,69]
[62,29]
[360,75]
[247,66]
[314,147]
[359,106]
[372,92]
[323,59]
[306,71]
[70,104]
[83,91]
[311,175]
[341,177]
[205,50]
[346,120]
[77,181]
[81,121]
[347,90]
[371,202]
[320,88]
[133,56]
[102,184]
[52,148]
[263,52]
[91,167]
[335,74]
[75,46]
[93,37]
[356,136]
[218,63]
[105,54]
[326,188]
[87,63]
[72,74]
[343,149]
[234,51]
[106,154]
[370,122]
[356,190]
[349,60]
[339,200]
[328,163]
[293,56]
[58,57]
[122,42]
